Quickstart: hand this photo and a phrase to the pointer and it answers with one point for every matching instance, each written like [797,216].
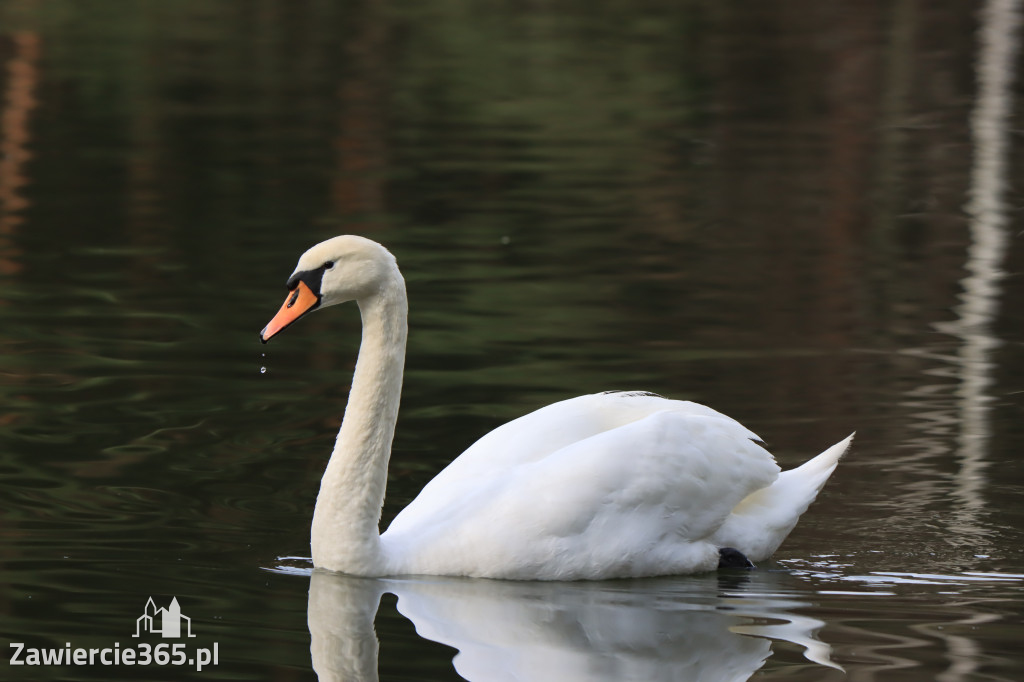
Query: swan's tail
[759,524]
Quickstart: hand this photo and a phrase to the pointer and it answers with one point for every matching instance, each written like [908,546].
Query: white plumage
[600,486]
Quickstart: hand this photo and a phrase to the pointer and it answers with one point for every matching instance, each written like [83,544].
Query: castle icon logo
[167,622]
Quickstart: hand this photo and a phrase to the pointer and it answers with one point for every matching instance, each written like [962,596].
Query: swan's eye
[328,265]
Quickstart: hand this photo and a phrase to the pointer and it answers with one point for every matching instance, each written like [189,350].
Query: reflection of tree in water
[17,101]
[798,167]
[990,127]
[954,413]
[661,131]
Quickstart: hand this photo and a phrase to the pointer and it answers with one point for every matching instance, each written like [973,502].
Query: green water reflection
[765,209]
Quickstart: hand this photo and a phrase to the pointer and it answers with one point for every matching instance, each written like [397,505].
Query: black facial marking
[312,278]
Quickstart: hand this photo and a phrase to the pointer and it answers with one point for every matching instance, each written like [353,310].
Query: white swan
[600,486]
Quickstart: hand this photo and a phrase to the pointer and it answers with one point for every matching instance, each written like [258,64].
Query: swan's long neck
[345,534]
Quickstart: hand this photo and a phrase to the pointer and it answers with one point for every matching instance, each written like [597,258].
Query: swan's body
[600,486]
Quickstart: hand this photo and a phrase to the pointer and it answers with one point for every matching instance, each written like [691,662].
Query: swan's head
[346,268]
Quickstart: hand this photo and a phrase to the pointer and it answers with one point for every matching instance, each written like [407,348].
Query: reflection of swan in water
[662,629]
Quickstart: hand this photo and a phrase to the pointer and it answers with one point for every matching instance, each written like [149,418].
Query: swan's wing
[537,435]
[632,498]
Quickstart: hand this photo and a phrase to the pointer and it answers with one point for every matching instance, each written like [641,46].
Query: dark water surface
[805,214]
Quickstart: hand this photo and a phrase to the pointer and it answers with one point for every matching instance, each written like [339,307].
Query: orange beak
[300,301]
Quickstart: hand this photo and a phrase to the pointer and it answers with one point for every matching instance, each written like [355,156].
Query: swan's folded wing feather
[541,433]
[623,501]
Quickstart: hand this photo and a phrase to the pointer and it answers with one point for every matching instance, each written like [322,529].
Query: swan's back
[603,485]
[537,435]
